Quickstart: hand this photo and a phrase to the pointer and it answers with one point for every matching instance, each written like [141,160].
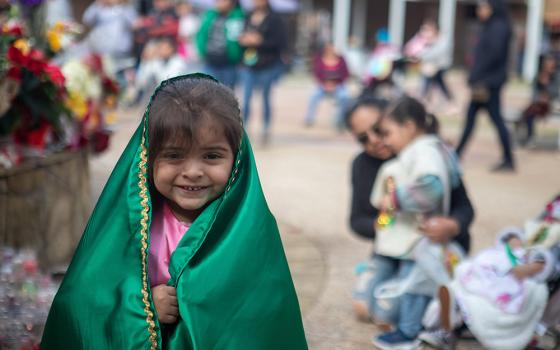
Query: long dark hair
[179,107]
[410,109]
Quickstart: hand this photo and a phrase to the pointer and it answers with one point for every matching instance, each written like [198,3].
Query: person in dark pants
[488,75]
[264,40]
[362,119]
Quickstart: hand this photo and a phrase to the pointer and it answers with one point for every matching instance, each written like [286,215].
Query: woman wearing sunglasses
[363,121]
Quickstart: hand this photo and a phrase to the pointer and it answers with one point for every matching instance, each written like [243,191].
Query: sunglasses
[364,138]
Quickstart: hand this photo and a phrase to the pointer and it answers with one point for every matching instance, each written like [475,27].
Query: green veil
[233,283]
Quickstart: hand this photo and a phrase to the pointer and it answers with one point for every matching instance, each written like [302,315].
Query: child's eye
[172,155]
[212,156]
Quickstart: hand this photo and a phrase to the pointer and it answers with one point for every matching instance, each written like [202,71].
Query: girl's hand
[439,229]
[250,38]
[165,301]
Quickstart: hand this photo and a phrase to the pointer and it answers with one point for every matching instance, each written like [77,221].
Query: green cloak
[233,283]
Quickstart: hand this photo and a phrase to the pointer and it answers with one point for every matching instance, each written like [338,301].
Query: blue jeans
[341,97]
[438,81]
[263,78]
[408,311]
[226,75]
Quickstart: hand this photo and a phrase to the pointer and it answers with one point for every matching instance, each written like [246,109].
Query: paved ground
[305,175]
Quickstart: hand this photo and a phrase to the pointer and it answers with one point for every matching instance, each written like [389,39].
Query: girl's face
[396,136]
[183,9]
[515,243]
[329,50]
[260,4]
[429,30]
[224,6]
[162,5]
[549,64]
[110,2]
[192,178]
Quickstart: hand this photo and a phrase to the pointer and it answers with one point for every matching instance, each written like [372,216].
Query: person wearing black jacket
[488,75]
[264,40]
[362,120]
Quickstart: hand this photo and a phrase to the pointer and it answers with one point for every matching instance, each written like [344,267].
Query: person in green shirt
[216,41]
[229,284]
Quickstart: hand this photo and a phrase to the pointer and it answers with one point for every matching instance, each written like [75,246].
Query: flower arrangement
[35,105]
[45,108]
[60,36]
[92,97]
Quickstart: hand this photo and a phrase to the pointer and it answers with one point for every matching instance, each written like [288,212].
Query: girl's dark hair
[179,107]
[407,108]
[364,101]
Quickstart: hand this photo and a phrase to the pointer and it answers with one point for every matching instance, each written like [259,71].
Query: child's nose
[192,169]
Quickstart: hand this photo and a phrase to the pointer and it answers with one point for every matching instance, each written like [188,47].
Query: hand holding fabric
[439,229]
[251,39]
[165,301]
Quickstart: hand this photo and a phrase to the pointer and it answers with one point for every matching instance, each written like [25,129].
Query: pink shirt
[165,233]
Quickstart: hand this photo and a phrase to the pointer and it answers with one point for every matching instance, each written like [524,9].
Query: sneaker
[503,167]
[396,340]
[439,339]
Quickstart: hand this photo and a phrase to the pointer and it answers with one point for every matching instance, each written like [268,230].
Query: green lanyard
[512,258]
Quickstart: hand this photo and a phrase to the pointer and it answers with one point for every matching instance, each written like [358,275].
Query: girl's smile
[193,189]
[189,178]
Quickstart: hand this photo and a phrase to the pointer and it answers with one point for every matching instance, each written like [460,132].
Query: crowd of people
[237,47]
[408,193]
[429,52]
[420,285]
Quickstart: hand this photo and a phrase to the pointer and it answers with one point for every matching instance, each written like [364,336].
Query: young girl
[181,247]
[415,184]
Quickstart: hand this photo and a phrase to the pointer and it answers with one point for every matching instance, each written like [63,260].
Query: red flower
[94,62]
[17,57]
[15,31]
[37,63]
[38,138]
[36,67]
[55,75]
[14,73]
[110,86]
[37,55]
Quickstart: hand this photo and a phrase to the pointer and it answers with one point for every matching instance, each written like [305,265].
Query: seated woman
[544,91]
[331,72]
